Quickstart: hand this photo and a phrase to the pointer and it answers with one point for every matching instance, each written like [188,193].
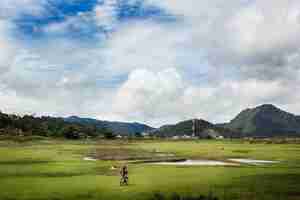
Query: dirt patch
[161,160]
[129,154]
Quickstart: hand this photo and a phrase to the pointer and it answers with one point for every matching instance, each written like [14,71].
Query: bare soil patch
[122,153]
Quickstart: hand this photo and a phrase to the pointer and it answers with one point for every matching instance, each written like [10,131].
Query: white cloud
[12,8]
[80,22]
[148,94]
[105,13]
[7,47]
[256,33]
[264,27]
[142,45]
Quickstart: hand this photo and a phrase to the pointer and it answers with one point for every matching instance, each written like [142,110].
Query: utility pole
[194,128]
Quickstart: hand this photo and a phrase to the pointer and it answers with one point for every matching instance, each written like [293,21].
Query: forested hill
[122,128]
[14,125]
[203,129]
[71,127]
[265,121]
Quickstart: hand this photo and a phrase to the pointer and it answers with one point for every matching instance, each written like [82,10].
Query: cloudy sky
[150,61]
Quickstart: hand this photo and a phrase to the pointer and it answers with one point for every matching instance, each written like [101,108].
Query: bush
[108,135]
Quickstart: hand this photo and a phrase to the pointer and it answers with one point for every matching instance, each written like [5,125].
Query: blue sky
[150,61]
[58,11]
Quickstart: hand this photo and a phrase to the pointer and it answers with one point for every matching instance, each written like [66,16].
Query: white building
[119,136]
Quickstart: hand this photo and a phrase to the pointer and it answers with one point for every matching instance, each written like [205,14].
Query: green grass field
[55,170]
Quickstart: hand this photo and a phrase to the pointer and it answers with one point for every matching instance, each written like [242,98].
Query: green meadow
[56,170]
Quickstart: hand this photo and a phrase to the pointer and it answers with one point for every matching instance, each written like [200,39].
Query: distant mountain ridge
[122,128]
[262,121]
[265,121]
[194,127]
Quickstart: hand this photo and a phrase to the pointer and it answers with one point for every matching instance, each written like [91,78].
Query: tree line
[29,125]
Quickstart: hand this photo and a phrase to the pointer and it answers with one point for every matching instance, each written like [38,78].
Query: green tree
[138,134]
[108,134]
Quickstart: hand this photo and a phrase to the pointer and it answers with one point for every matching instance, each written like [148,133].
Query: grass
[55,170]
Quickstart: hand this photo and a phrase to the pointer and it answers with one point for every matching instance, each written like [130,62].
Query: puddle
[252,162]
[198,163]
[231,162]
[89,159]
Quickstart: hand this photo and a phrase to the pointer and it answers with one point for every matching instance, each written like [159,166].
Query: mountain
[265,121]
[122,128]
[203,129]
[262,121]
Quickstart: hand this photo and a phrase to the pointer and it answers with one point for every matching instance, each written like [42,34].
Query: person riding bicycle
[124,175]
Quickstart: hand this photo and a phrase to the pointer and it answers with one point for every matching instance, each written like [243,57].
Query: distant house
[145,134]
[119,136]
[186,137]
[220,137]
[175,137]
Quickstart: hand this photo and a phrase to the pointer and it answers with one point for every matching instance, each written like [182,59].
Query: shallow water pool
[198,163]
[252,162]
